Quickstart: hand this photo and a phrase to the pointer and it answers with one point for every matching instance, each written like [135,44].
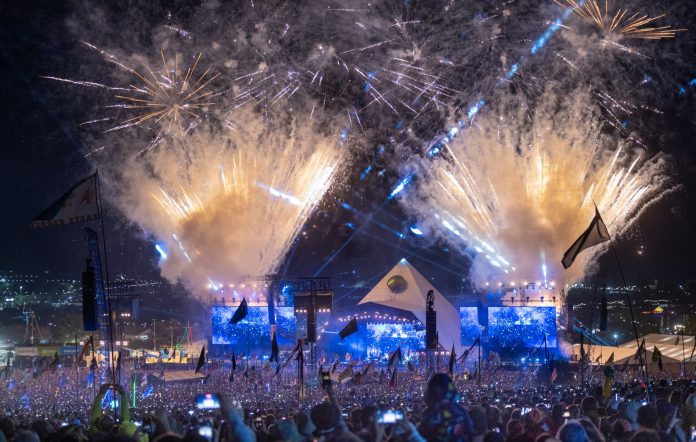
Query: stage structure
[512,319]
[431,337]
[404,288]
[287,307]
[311,296]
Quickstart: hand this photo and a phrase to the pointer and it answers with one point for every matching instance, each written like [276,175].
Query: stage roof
[672,350]
[654,339]
[412,299]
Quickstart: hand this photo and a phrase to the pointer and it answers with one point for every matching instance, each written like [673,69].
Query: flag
[346,374]
[147,393]
[39,367]
[611,359]
[240,313]
[300,370]
[143,380]
[234,361]
[608,380]
[639,352]
[382,376]
[76,205]
[595,234]
[90,378]
[274,349]
[201,360]
[452,358]
[394,356]
[134,389]
[657,357]
[5,371]
[370,369]
[392,381]
[349,329]
[53,366]
[85,348]
[624,366]
[554,375]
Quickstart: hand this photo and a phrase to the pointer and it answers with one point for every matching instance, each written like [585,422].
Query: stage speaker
[89,298]
[431,329]
[311,326]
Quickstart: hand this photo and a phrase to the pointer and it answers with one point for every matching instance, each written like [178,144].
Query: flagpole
[91,368]
[479,362]
[108,288]
[630,308]
[582,358]
[77,374]
[683,367]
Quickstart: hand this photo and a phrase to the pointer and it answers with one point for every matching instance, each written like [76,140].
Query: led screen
[469,325]
[385,338]
[254,330]
[516,327]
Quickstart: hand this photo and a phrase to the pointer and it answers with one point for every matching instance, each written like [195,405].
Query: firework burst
[608,20]
[512,196]
[169,97]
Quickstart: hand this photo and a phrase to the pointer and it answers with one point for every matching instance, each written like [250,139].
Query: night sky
[42,158]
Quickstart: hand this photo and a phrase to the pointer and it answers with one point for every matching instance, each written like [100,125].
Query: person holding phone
[103,422]
[443,418]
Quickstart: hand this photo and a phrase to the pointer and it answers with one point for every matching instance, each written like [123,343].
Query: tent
[410,296]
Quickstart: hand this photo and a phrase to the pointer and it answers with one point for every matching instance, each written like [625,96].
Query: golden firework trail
[167,95]
[516,199]
[620,21]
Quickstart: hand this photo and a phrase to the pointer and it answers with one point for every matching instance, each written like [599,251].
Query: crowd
[412,408]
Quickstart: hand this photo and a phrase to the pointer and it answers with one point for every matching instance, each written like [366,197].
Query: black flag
[233,366]
[85,348]
[201,360]
[240,313]
[453,357]
[54,362]
[396,355]
[595,234]
[657,357]
[349,329]
[274,349]
[300,370]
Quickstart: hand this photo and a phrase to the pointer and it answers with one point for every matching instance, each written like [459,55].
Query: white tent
[412,298]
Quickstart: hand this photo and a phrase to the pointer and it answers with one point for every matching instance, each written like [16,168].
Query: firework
[232,202]
[169,96]
[620,21]
[516,197]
